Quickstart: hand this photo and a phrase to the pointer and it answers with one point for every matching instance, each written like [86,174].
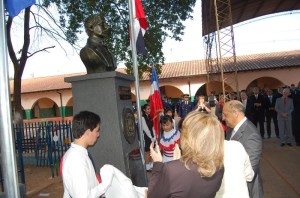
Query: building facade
[51,98]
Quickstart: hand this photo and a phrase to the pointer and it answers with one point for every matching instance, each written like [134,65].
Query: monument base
[109,95]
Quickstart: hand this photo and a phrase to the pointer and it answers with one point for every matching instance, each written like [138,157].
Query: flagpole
[137,85]
[8,153]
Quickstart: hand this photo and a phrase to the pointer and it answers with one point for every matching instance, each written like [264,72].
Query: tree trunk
[17,106]
[19,64]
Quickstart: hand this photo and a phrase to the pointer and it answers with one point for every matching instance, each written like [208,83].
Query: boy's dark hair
[165,119]
[83,121]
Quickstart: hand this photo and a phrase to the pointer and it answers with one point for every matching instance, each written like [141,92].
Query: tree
[31,29]
[164,17]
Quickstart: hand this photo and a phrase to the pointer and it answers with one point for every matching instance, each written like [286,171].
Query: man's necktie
[270,98]
[284,101]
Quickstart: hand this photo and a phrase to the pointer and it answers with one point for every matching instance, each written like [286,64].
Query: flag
[155,102]
[14,7]
[140,25]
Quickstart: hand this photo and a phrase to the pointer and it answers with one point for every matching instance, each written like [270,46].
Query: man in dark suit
[165,102]
[242,130]
[177,106]
[186,106]
[259,110]
[247,103]
[270,102]
[284,108]
[296,115]
[170,105]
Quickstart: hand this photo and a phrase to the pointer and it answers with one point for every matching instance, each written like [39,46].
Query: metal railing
[44,142]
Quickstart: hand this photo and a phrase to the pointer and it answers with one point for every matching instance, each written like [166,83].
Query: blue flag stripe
[154,78]
[14,7]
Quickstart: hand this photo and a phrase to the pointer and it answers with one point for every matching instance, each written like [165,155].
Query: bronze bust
[95,55]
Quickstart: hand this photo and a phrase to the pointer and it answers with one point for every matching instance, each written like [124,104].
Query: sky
[261,35]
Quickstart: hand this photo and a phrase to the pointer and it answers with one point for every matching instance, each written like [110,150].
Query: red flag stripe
[140,14]
[155,102]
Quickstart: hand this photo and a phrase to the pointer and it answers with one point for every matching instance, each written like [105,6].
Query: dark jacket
[259,112]
[173,179]
[249,110]
[184,109]
[250,138]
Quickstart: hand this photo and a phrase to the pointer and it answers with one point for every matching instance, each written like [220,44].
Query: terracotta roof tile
[244,63]
[44,83]
[180,69]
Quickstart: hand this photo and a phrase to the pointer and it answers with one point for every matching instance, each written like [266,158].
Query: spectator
[242,130]
[248,106]
[169,138]
[149,135]
[203,106]
[219,111]
[169,112]
[284,108]
[212,99]
[271,113]
[186,106]
[232,96]
[199,171]
[258,105]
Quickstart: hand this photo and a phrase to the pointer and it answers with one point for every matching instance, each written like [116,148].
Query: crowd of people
[205,148]
[263,107]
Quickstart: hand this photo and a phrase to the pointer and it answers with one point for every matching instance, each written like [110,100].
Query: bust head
[95,25]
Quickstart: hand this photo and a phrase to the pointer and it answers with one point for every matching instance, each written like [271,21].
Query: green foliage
[164,17]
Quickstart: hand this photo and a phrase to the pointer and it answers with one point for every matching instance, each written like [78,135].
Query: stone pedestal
[109,95]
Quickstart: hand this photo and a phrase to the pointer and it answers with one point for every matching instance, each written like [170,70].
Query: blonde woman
[199,171]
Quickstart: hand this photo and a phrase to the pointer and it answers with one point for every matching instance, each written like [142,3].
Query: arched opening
[213,86]
[265,82]
[45,108]
[171,92]
[69,108]
[24,113]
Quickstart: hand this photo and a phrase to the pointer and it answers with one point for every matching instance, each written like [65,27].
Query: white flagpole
[8,153]
[137,85]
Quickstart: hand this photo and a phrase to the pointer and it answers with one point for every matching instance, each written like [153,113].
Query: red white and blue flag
[140,25]
[155,102]
[14,7]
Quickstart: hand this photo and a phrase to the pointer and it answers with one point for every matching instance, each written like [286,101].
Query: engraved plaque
[124,93]
[129,127]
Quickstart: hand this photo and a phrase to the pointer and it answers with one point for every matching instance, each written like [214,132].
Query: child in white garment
[169,138]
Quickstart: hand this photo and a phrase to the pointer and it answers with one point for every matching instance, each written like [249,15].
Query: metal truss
[220,51]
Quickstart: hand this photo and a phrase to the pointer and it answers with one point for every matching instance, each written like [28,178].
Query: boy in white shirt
[78,173]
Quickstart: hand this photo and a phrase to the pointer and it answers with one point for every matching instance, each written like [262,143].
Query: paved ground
[279,169]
